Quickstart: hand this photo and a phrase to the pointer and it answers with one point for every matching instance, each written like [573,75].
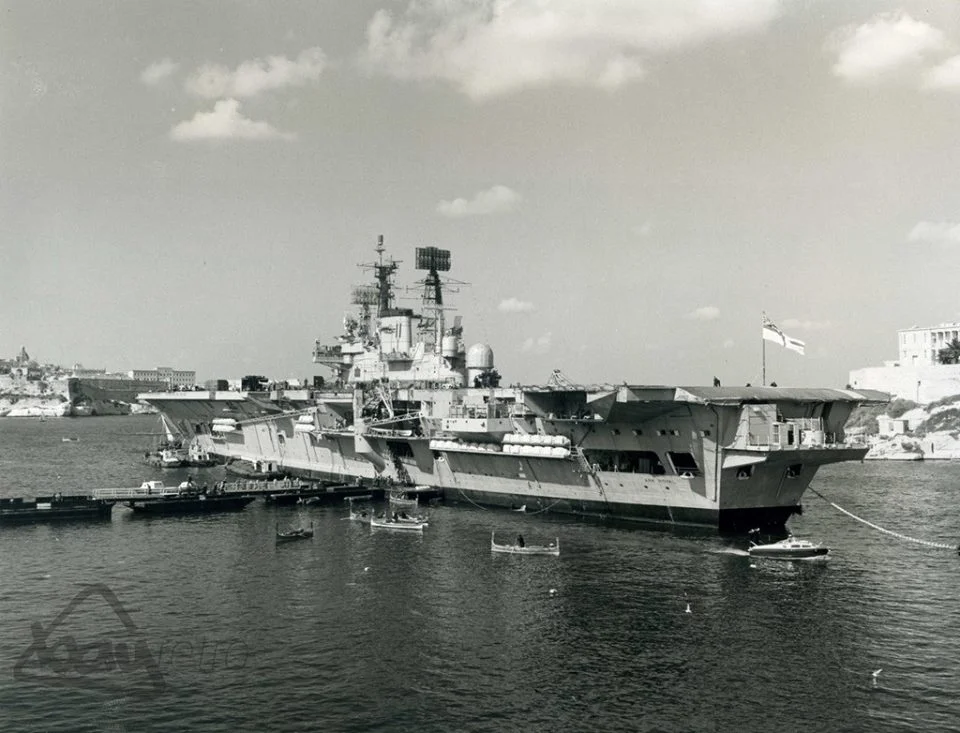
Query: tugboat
[790,548]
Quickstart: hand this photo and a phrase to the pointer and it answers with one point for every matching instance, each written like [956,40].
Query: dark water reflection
[358,631]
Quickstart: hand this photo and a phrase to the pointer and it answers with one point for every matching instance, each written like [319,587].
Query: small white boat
[520,547]
[399,500]
[411,525]
[790,548]
[418,519]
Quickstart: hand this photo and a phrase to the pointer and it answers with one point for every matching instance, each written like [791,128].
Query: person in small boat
[520,541]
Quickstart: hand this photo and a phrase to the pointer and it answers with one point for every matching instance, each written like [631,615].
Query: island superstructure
[410,404]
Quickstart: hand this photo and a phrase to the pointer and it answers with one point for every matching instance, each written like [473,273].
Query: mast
[383,271]
[434,261]
[763,351]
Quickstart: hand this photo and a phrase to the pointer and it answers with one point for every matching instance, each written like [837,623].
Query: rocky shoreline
[932,432]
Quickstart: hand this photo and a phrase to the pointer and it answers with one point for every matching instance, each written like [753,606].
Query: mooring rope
[928,543]
[487,509]
[460,491]
[545,509]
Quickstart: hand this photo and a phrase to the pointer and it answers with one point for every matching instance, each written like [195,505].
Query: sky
[625,186]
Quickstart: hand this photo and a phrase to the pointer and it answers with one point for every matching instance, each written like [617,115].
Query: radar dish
[365,295]
[433,258]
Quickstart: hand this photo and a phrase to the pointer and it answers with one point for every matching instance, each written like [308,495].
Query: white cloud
[514,305]
[250,78]
[538,345]
[801,325]
[158,71]
[937,232]
[887,43]
[225,123]
[490,47]
[729,344]
[706,313]
[944,76]
[643,230]
[495,200]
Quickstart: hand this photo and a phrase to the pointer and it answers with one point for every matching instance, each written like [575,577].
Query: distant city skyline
[626,186]
[69,365]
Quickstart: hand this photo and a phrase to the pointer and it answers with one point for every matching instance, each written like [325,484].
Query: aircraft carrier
[409,403]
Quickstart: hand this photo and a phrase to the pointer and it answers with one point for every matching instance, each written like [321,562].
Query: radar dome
[479,356]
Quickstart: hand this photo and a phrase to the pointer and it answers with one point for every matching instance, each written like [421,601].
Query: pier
[269,489]
[278,491]
[153,497]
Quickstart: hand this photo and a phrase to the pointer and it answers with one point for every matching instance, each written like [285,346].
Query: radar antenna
[434,261]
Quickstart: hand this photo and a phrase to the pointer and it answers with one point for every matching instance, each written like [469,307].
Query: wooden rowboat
[291,535]
[408,525]
[520,547]
[399,500]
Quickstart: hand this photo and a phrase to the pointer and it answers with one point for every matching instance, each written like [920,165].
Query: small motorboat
[291,535]
[790,548]
[520,547]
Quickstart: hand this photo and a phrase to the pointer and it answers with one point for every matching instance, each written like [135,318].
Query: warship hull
[690,463]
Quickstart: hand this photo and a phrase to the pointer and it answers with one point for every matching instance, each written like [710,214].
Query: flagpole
[763,350]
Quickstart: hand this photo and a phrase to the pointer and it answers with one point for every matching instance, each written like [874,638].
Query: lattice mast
[379,295]
[434,261]
[384,271]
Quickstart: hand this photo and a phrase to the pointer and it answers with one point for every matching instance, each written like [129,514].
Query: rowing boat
[520,547]
[399,525]
[291,535]
[399,500]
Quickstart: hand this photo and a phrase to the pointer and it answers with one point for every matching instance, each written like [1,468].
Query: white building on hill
[171,378]
[916,375]
[919,346]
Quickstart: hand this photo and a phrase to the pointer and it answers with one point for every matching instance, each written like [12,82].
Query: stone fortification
[69,396]
[921,384]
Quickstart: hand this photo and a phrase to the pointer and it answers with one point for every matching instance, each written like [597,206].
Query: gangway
[146,490]
[157,489]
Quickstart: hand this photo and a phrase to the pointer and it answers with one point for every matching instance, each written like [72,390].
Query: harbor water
[206,624]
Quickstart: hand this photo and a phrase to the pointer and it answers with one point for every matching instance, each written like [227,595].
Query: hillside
[933,430]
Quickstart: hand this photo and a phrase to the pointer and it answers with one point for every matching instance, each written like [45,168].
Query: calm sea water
[203,624]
